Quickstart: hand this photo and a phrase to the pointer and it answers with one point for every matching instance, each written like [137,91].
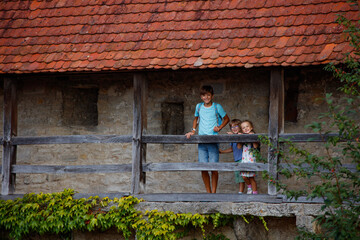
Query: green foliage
[338,186]
[61,214]
[212,236]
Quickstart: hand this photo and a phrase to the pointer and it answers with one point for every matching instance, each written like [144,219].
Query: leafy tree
[339,185]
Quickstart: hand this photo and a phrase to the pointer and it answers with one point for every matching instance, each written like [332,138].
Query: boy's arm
[239,145]
[192,132]
[226,120]
[229,150]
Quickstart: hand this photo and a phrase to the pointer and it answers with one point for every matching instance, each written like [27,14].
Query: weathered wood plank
[162,139]
[74,169]
[153,167]
[275,122]
[10,130]
[350,167]
[208,197]
[225,167]
[306,137]
[138,84]
[144,99]
[71,139]
[225,138]
[190,197]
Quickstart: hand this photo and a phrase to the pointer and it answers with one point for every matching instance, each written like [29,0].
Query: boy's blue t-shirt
[208,118]
[237,152]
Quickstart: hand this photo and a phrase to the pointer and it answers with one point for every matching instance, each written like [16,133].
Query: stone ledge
[254,208]
[303,212]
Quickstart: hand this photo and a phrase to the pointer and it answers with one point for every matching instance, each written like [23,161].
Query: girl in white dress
[248,157]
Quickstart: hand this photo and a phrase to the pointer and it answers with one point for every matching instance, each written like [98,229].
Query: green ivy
[339,186]
[61,214]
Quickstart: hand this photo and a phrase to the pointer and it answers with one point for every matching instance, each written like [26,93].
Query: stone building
[71,69]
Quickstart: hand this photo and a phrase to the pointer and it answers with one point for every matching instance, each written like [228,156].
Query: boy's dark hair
[206,89]
[235,121]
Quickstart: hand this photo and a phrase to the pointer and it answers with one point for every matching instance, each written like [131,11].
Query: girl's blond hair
[251,124]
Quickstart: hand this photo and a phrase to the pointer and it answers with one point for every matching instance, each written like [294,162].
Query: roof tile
[325,53]
[80,35]
[282,41]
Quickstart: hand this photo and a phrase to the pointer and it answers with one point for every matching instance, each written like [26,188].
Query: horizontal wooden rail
[148,167]
[350,167]
[208,197]
[224,138]
[223,167]
[154,167]
[180,197]
[71,139]
[164,139]
[58,169]
[306,137]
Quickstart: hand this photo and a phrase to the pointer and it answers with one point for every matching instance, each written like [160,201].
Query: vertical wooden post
[138,152]
[144,99]
[276,122]
[10,129]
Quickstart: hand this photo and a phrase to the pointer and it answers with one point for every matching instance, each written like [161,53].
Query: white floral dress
[248,157]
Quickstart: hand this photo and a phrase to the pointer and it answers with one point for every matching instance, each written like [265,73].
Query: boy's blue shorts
[208,152]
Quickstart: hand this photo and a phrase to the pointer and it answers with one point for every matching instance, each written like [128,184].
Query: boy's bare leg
[206,179]
[214,180]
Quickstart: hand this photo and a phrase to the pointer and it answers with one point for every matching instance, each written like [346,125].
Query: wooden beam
[71,139]
[207,197]
[223,167]
[154,167]
[276,122]
[138,85]
[144,99]
[224,138]
[165,139]
[10,130]
[191,197]
[74,169]
[308,137]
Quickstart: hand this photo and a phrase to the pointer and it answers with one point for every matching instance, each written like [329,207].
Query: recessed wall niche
[172,118]
[80,106]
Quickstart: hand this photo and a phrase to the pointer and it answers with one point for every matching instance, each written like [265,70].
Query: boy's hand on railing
[217,129]
[189,134]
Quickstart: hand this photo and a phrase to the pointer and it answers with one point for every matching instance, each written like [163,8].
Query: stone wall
[45,109]
[282,220]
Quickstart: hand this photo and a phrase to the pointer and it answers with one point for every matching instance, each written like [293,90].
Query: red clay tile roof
[92,35]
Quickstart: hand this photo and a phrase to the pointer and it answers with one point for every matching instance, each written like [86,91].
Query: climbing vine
[61,214]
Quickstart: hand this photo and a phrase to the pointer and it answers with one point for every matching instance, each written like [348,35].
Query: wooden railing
[151,167]
[139,166]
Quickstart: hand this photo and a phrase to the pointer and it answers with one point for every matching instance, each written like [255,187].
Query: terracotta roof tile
[292,41]
[80,35]
[325,53]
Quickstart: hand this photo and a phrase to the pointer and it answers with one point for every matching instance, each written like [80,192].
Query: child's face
[207,98]
[246,127]
[235,128]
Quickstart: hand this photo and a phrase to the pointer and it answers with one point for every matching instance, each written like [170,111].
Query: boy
[207,115]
